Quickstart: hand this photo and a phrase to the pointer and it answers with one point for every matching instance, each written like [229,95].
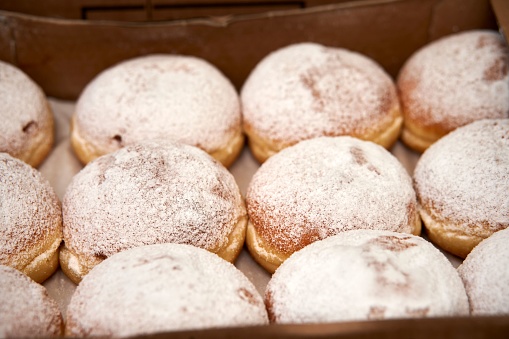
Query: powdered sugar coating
[152,192]
[365,275]
[163,287]
[462,180]
[26,309]
[178,98]
[30,213]
[307,90]
[456,80]
[324,186]
[23,110]
[486,277]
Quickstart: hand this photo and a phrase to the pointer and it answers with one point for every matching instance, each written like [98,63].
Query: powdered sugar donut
[365,275]
[164,287]
[462,182]
[179,98]
[307,90]
[147,193]
[26,310]
[26,128]
[485,275]
[30,220]
[452,82]
[321,187]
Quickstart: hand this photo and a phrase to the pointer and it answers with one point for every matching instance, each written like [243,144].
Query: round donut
[152,192]
[485,275]
[365,275]
[163,287]
[30,220]
[26,310]
[321,187]
[306,90]
[179,98]
[462,182]
[26,128]
[452,82]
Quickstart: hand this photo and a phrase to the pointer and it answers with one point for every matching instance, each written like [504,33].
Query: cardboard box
[64,54]
[62,45]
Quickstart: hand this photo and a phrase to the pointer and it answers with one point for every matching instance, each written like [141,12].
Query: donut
[26,128]
[152,192]
[179,98]
[163,287]
[461,183]
[365,275]
[30,220]
[307,90]
[451,82]
[485,275]
[323,186]
[26,310]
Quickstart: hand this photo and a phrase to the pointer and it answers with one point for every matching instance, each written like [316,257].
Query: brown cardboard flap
[7,47]
[64,55]
[436,328]
[501,8]
[152,10]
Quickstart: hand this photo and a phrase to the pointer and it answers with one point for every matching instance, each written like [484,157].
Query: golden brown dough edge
[229,153]
[418,133]
[42,267]
[386,136]
[231,250]
[419,137]
[451,239]
[40,146]
[76,268]
[86,151]
[71,266]
[270,259]
[44,256]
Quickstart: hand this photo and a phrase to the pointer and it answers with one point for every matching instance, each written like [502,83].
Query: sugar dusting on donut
[26,309]
[147,193]
[172,97]
[365,275]
[326,185]
[163,288]
[485,275]
[308,90]
[464,177]
[22,109]
[456,80]
[29,212]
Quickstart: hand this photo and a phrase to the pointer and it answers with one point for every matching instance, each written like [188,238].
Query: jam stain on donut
[118,139]
[30,127]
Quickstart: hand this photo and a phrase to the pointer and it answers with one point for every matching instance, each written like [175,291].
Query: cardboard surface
[64,55]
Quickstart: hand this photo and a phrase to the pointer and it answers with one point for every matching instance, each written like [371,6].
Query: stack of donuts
[151,226]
